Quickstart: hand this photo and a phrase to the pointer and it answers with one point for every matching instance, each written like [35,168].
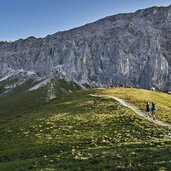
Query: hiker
[153,109]
[147,108]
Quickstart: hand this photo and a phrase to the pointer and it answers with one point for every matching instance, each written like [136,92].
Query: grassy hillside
[78,132]
[20,100]
[139,97]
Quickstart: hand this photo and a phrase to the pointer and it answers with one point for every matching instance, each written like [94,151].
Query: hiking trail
[137,111]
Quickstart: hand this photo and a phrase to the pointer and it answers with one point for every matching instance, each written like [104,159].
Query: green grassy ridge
[139,97]
[79,132]
[21,100]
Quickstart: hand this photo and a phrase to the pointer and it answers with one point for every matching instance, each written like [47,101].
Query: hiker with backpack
[147,108]
[153,110]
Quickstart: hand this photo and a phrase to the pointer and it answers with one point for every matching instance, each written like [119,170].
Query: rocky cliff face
[132,49]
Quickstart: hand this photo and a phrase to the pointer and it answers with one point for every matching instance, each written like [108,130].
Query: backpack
[153,106]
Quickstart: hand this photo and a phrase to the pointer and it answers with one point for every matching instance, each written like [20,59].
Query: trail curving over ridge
[137,111]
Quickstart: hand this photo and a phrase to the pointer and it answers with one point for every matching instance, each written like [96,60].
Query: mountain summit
[133,49]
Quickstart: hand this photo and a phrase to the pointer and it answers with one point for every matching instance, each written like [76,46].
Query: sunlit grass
[139,97]
[80,132]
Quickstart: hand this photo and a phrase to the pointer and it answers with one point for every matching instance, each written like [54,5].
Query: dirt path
[137,111]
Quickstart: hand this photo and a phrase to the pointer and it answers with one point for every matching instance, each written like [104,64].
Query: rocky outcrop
[132,49]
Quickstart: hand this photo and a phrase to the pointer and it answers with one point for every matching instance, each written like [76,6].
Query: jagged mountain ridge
[132,49]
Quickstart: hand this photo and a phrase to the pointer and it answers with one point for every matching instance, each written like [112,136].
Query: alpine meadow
[77,100]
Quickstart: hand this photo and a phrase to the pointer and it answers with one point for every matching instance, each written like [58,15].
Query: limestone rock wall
[132,49]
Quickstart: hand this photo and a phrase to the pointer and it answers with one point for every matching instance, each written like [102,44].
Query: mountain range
[132,49]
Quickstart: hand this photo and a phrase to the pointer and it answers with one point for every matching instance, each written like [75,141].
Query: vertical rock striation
[132,49]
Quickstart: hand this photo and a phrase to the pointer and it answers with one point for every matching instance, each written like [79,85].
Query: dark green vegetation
[77,132]
[21,100]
